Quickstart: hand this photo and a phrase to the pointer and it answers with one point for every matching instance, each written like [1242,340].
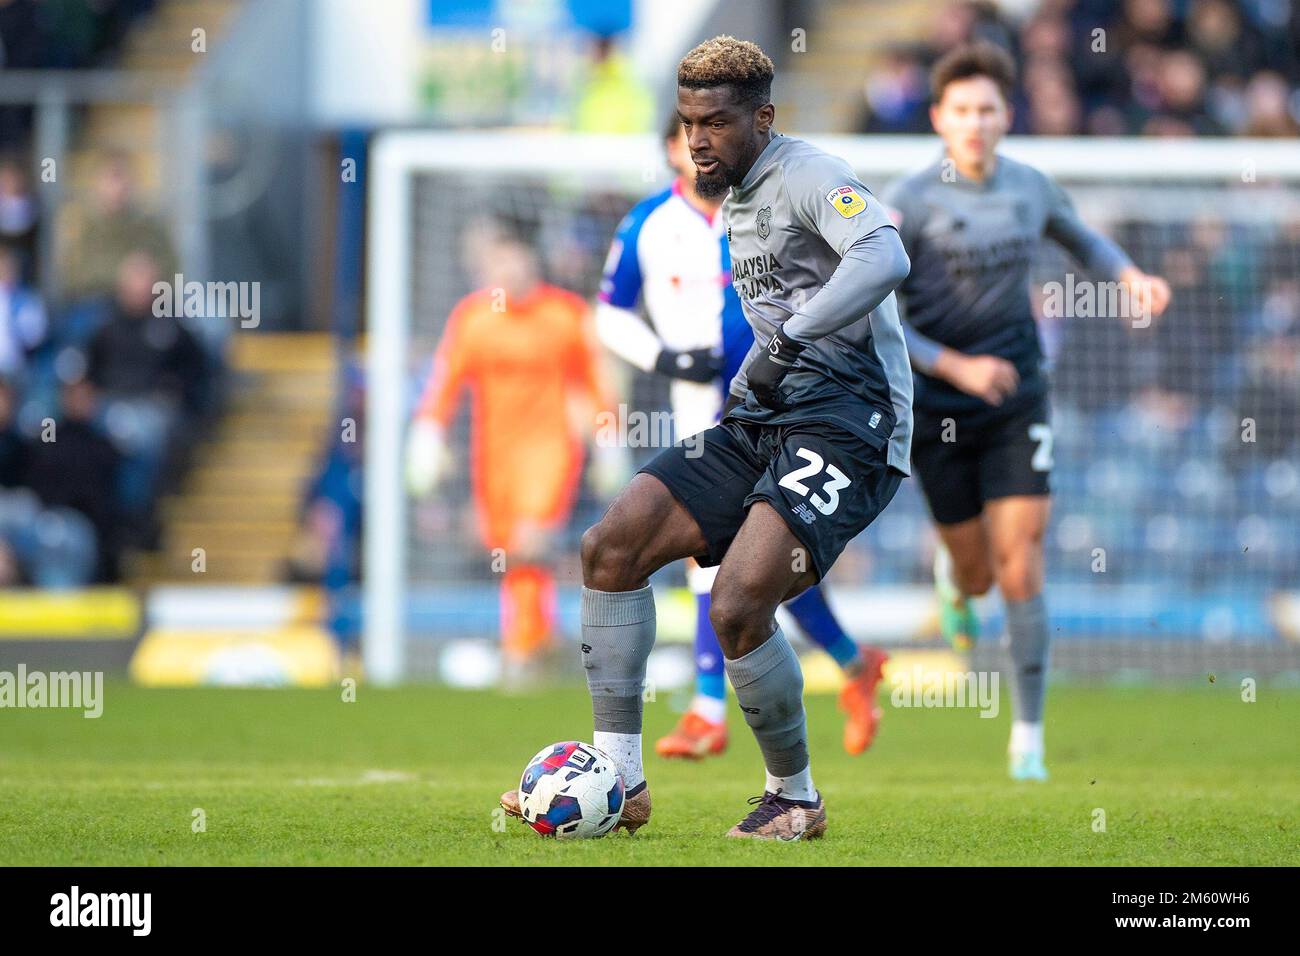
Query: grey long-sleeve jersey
[971,246]
[812,249]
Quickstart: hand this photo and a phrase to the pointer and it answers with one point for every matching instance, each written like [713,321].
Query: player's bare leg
[1016,527]
[963,569]
[765,565]
[643,530]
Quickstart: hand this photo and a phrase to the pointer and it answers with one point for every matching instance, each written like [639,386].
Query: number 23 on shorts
[838,480]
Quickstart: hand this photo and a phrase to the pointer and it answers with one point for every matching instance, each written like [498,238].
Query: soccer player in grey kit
[971,223]
[813,443]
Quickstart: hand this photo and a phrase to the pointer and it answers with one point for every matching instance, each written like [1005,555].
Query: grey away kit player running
[972,223]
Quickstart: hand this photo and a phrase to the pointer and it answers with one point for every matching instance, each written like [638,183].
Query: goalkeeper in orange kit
[524,352]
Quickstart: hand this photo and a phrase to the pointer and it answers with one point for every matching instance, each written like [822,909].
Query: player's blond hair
[727,61]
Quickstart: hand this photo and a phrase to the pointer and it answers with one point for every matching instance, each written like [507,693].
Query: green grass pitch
[1186,775]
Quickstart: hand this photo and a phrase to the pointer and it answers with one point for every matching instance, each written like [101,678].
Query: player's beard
[725,177]
[716,183]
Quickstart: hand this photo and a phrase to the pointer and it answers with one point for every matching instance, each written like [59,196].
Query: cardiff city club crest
[765,222]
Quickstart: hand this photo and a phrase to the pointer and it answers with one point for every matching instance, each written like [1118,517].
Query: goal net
[1175,537]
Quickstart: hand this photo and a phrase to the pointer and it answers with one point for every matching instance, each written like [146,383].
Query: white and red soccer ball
[571,789]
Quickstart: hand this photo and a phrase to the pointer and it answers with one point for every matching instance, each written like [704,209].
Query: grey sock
[1027,640]
[618,631]
[769,687]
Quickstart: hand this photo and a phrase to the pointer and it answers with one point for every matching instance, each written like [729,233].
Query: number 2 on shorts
[794,481]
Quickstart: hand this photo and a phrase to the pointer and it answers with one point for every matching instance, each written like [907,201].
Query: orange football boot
[694,737]
[858,700]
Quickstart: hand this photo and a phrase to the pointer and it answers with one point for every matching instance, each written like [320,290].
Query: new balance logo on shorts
[804,512]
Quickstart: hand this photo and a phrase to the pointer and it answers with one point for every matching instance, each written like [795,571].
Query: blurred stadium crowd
[100,399]
[1106,68]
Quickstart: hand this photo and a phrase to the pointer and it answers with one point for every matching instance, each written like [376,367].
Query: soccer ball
[571,789]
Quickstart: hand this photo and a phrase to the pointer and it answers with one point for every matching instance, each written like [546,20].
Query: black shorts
[826,483]
[984,458]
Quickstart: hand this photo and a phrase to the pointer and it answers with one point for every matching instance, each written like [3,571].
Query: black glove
[765,373]
[697,365]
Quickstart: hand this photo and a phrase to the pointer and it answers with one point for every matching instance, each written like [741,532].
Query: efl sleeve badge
[846,201]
